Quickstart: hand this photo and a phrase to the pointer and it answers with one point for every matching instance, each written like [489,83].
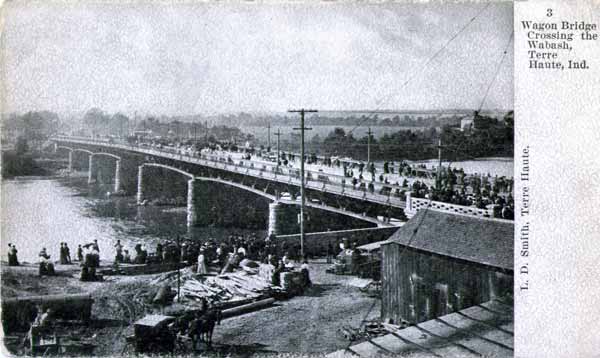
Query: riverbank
[20,164]
[307,324]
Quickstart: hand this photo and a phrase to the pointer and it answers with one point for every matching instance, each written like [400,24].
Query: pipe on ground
[236,311]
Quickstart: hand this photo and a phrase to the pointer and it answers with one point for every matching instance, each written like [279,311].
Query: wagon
[152,334]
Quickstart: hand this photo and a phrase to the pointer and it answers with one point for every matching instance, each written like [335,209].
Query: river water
[493,166]
[42,212]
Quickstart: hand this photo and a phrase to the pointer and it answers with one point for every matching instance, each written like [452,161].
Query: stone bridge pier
[90,169]
[192,215]
[283,219]
[140,185]
[117,184]
[274,224]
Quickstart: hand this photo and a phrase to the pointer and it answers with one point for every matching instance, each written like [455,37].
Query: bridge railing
[286,178]
[289,176]
[312,175]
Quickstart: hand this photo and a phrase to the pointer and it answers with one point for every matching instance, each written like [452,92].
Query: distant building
[439,263]
[466,124]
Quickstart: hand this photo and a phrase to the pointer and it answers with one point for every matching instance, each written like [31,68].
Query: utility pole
[278,134]
[269,136]
[206,133]
[178,270]
[369,146]
[195,127]
[302,178]
[439,171]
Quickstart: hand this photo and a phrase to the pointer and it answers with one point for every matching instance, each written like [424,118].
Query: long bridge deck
[264,171]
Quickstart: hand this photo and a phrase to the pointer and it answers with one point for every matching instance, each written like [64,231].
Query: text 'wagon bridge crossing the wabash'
[328,193]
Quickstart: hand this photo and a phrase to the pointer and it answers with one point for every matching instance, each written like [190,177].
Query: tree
[21,146]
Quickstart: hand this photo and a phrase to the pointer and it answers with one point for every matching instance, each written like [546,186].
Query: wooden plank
[415,344]
[462,348]
[476,330]
[462,338]
[493,322]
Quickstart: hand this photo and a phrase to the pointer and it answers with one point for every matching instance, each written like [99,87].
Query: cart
[152,334]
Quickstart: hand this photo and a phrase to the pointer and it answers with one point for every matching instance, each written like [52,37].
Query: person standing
[12,255]
[202,269]
[159,251]
[63,256]
[119,252]
[305,270]
[79,253]
[67,254]
[46,267]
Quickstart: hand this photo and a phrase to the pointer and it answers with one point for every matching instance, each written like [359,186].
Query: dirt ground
[308,324]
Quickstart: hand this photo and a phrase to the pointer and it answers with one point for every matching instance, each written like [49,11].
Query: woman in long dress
[202,269]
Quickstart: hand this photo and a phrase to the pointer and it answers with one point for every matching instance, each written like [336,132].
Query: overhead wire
[497,71]
[431,58]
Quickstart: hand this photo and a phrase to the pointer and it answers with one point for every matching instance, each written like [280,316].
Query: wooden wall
[418,286]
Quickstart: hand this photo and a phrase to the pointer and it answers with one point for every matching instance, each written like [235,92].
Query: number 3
[549,13]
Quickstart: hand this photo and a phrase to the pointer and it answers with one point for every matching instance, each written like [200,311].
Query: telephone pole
[369,145]
[269,136]
[302,178]
[278,134]
[439,171]
[134,122]
[206,133]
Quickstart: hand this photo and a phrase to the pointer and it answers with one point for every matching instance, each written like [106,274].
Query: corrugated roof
[485,330]
[485,241]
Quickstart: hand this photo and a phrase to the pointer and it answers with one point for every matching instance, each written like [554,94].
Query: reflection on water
[43,212]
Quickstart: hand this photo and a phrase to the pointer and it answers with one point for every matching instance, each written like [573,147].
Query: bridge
[227,172]
[329,183]
[270,173]
[273,207]
[91,154]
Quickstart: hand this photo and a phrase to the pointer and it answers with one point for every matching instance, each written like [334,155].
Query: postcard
[300,178]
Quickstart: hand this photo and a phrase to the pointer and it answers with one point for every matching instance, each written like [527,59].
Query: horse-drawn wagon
[153,334]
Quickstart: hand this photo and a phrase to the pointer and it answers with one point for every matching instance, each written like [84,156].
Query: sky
[209,58]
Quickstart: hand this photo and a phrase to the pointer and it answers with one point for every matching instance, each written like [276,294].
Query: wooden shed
[439,263]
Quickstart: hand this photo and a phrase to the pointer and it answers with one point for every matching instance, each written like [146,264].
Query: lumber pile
[234,286]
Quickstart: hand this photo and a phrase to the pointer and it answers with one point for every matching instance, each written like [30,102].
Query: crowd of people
[451,185]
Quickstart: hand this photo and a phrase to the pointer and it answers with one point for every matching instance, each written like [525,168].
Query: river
[493,166]
[42,212]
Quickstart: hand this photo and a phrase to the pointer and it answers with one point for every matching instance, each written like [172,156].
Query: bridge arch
[63,147]
[168,167]
[117,167]
[276,200]
[240,186]
[116,157]
[83,150]
[191,212]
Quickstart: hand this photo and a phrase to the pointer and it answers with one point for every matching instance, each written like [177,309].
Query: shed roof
[485,241]
[484,330]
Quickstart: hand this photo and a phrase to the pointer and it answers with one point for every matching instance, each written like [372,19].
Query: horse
[202,328]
